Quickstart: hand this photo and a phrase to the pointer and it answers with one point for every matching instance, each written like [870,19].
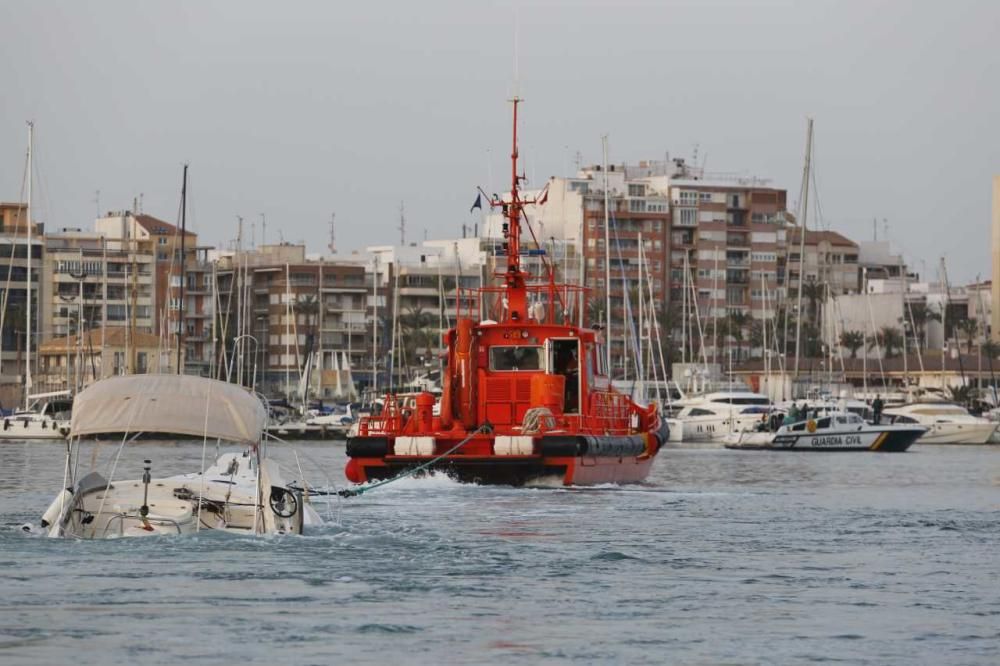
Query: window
[636,205]
[516,358]
[687,217]
[636,190]
[688,198]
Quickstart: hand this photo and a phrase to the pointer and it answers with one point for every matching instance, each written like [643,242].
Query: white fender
[55,510]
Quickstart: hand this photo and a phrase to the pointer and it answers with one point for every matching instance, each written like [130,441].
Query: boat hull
[569,460]
[887,441]
[20,428]
[959,433]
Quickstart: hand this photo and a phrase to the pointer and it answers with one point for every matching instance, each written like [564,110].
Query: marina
[520,333]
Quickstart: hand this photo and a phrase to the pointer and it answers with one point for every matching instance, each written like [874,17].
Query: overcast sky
[297,110]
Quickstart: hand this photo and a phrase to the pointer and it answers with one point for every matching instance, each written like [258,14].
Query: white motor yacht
[946,422]
[710,417]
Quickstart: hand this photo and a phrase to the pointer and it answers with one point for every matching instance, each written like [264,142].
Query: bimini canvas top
[179,404]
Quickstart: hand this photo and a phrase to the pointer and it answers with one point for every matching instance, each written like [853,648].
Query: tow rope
[355,492]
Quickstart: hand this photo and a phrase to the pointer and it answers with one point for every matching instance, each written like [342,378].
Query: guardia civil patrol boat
[830,431]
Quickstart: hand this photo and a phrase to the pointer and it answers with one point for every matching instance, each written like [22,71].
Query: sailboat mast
[374,326]
[180,320]
[27,357]
[607,257]
[802,244]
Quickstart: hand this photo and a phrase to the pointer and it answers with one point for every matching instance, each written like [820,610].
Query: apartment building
[165,242]
[100,281]
[418,292]
[14,294]
[288,307]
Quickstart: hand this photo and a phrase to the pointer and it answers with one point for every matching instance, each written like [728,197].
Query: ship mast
[514,278]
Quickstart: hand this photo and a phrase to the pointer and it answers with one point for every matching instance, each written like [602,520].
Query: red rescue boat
[526,394]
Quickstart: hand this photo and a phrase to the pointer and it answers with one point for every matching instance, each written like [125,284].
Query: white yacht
[946,422]
[712,416]
[33,424]
[832,431]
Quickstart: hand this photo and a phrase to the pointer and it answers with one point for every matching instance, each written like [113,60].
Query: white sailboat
[242,492]
[31,422]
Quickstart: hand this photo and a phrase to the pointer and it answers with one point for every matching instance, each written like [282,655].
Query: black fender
[367,447]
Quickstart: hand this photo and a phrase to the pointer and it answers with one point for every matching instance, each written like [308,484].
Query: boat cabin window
[735,400]
[525,357]
[695,411]
[823,422]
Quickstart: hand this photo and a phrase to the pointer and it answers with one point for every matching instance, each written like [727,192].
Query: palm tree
[308,305]
[595,312]
[419,333]
[814,293]
[990,349]
[889,339]
[736,324]
[961,394]
[970,327]
[921,314]
[852,341]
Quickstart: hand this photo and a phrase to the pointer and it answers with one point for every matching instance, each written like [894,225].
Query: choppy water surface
[724,556]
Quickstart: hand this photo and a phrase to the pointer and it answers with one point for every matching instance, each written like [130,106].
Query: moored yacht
[710,417]
[946,422]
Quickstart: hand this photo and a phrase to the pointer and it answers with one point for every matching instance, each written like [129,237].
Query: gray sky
[299,109]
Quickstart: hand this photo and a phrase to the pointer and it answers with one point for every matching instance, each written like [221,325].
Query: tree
[308,305]
[970,327]
[990,349]
[852,341]
[921,314]
[961,394]
[814,293]
[419,335]
[736,325]
[888,339]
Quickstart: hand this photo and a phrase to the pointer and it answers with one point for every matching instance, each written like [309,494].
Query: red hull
[511,470]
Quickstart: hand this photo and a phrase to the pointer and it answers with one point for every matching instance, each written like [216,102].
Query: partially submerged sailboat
[526,394]
[242,492]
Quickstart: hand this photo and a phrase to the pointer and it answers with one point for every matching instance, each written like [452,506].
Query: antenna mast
[333,235]
[180,309]
[402,225]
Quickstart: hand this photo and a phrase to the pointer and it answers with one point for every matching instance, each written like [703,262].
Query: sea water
[722,557]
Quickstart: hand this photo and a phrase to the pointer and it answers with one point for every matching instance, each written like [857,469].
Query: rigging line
[550,269]
[625,298]
[821,221]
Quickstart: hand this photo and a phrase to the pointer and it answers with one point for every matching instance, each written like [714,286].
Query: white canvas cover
[178,404]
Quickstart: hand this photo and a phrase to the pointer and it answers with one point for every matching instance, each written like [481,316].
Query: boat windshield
[941,411]
[525,357]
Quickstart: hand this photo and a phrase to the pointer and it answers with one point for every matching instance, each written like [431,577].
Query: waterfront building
[295,308]
[72,362]
[163,240]
[14,281]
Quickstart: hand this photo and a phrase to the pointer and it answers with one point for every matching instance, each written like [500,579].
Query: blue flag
[478,203]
